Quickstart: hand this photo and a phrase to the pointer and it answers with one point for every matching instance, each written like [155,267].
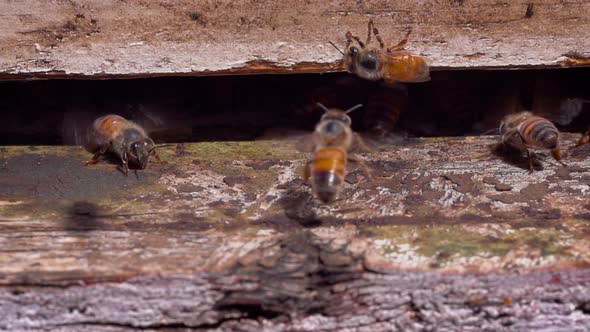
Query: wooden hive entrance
[225,234]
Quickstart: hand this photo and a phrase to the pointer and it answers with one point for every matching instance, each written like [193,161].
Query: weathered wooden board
[181,37]
[226,236]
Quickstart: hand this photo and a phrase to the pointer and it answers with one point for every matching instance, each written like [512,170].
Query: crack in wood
[284,283]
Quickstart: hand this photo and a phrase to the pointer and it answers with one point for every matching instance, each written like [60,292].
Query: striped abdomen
[110,125]
[540,132]
[328,171]
[104,130]
[404,66]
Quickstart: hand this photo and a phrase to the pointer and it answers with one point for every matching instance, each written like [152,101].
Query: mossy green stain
[446,241]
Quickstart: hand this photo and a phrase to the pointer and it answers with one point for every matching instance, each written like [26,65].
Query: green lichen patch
[228,151]
[9,152]
[443,242]
[454,240]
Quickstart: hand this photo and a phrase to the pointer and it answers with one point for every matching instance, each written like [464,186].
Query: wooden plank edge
[262,67]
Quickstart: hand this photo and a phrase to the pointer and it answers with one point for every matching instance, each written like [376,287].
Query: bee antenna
[159,146]
[353,108]
[323,107]
[336,47]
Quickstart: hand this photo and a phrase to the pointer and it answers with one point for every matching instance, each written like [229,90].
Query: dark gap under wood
[193,109]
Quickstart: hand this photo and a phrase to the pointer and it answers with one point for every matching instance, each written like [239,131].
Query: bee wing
[369,142]
[569,108]
[302,140]
[161,124]
[305,144]
[404,66]
[149,117]
[76,128]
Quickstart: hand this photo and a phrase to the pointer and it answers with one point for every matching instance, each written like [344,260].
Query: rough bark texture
[139,38]
[226,236]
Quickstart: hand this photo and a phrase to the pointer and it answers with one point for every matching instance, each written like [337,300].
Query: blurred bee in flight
[333,139]
[122,138]
[523,131]
[391,64]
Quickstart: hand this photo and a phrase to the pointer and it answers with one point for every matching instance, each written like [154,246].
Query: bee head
[336,118]
[139,152]
[368,61]
[335,115]
[331,130]
[334,126]
[363,62]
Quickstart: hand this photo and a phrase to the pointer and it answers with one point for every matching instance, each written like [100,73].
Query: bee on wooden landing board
[122,138]
[523,131]
[391,64]
[333,140]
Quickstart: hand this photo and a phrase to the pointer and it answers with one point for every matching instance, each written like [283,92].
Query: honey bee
[122,138]
[333,139]
[583,140]
[524,130]
[391,64]
[576,104]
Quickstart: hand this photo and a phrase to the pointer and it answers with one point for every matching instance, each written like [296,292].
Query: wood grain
[106,38]
[226,236]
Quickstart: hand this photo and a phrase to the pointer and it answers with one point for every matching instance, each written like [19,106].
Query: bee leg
[376,33]
[156,156]
[515,140]
[307,171]
[361,163]
[350,37]
[348,40]
[336,66]
[94,159]
[400,46]
[531,157]
[370,30]
[124,167]
[96,156]
[121,151]
[556,153]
